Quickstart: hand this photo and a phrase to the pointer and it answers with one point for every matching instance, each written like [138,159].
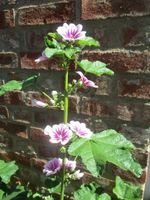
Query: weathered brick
[52,13]
[10,40]
[37,135]
[35,39]
[15,98]
[4,113]
[28,62]
[92,107]
[38,163]
[138,136]
[7,19]
[122,61]
[109,8]
[8,60]
[7,2]
[48,151]
[137,88]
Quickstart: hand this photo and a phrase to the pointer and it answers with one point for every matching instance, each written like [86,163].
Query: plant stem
[66,103]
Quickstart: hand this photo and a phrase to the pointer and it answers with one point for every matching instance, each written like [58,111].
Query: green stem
[66,102]
[66,106]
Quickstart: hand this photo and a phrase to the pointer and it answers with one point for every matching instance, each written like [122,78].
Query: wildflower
[71,31]
[58,133]
[53,166]
[38,103]
[80,129]
[86,82]
[43,57]
[77,175]
[70,165]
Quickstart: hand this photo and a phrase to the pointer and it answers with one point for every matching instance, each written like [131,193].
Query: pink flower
[71,31]
[70,165]
[77,175]
[41,58]
[38,103]
[80,129]
[53,166]
[86,82]
[58,133]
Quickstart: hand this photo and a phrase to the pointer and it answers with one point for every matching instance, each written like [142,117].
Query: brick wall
[121,102]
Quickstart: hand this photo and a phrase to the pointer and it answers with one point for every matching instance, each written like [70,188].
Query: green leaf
[70,52]
[49,52]
[14,193]
[104,197]
[17,85]
[107,146]
[30,81]
[88,41]
[85,193]
[54,35]
[97,68]
[1,194]
[10,86]
[7,169]
[83,148]
[56,189]
[127,191]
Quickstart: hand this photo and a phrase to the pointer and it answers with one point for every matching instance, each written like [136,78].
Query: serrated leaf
[126,191]
[7,169]
[54,35]
[104,197]
[70,52]
[107,146]
[50,52]
[83,148]
[10,86]
[88,41]
[97,68]
[17,85]
[113,147]
[84,193]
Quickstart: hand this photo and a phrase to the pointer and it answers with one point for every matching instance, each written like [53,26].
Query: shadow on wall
[147,187]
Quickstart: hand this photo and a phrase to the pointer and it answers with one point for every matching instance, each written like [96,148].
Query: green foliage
[106,146]
[88,41]
[97,68]
[127,191]
[89,193]
[7,169]
[17,85]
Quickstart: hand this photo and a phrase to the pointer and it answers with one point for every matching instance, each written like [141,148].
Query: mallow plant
[81,151]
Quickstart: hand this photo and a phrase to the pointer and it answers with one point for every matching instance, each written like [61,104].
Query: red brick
[8,60]
[10,40]
[73,104]
[28,62]
[15,98]
[21,159]
[48,151]
[46,14]
[7,19]
[122,61]
[4,113]
[137,88]
[35,39]
[94,107]
[137,135]
[37,135]
[128,35]
[104,9]
[38,163]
